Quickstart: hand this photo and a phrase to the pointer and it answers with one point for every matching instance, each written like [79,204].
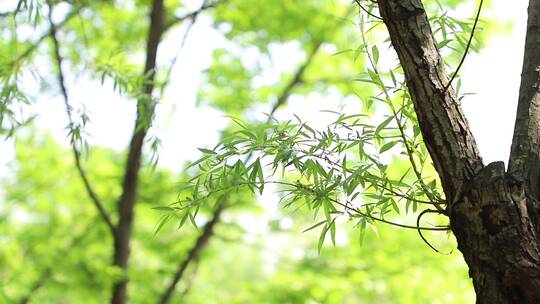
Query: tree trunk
[496,225]
[494,215]
[128,198]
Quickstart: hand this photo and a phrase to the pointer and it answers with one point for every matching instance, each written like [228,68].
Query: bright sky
[494,76]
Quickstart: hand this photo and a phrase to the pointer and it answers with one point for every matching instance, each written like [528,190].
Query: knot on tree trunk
[493,220]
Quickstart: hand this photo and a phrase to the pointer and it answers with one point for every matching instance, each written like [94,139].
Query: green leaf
[207,151]
[257,173]
[326,207]
[375,53]
[375,78]
[383,125]
[333,231]
[161,223]
[164,208]
[200,160]
[315,226]
[192,220]
[388,146]
[322,237]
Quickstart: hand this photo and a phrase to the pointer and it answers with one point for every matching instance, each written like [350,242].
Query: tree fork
[496,225]
[494,215]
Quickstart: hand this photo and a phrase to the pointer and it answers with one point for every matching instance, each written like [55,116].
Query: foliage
[57,235]
[365,170]
[341,170]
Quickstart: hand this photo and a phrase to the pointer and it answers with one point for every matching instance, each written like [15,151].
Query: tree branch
[445,130]
[297,79]
[366,10]
[36,286]
[524,163]
[183,41]
[194,252]
[42,38]
[192,15]
[191,279]
[467,46]
[145,111]
[76,153]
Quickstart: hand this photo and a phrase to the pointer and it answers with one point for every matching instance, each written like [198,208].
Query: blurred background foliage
[53,236]
[54,247]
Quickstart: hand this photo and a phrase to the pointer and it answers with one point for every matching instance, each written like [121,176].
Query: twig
[366,10]
[420,231]
[466,47]
[193,253]
[297,79]
[306,188]
[192,15]
[192,277]
[42,38]
[166,80]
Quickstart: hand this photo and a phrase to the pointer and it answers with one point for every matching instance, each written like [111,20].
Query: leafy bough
[335,172]
[349,169]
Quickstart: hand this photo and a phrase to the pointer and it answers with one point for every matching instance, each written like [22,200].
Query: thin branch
[76,153]
[337,167]
[42,38]
[310,190]
[297,79]
[192,15]
[466,52]
[420,231]
[363,214]
[180,47]
[194,252]
[366,10]
[414,166]
[191,279]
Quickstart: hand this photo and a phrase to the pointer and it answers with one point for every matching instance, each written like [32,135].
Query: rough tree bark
[145,109]
[494,214]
